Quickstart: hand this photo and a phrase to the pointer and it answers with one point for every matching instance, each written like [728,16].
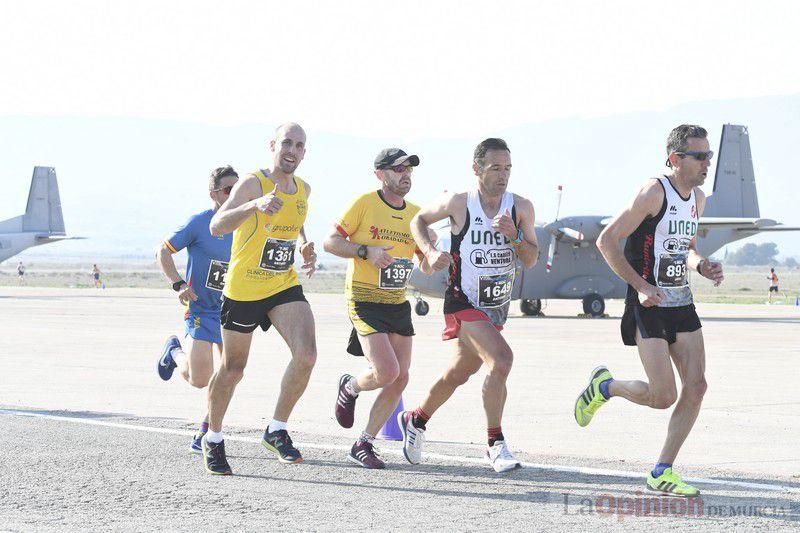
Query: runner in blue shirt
[200,292]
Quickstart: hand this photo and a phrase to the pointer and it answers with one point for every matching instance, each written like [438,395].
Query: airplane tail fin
[43,212]
[734,192]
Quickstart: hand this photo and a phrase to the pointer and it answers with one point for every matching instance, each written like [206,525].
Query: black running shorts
[245,317]
[369,318]
[657,322]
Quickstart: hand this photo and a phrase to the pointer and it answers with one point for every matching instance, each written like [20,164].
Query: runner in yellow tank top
[375,234]
[266,212]
[262,254]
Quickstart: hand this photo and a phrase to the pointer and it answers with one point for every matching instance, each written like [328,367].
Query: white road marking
[439,456]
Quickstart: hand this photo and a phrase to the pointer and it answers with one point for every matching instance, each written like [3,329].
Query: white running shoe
[501,458]
[413,438]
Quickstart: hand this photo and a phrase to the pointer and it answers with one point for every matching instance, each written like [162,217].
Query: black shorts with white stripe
[245,317]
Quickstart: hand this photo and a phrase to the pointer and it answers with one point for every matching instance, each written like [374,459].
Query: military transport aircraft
[42,221]
[575,269]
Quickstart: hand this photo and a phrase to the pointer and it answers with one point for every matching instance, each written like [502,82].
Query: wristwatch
[518,240]
[362,251]
[177,285]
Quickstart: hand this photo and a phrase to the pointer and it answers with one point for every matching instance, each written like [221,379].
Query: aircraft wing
[43,238]
[744,224]
[735,223]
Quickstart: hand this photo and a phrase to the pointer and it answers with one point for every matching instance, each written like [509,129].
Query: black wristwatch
[362,251]
[177,285]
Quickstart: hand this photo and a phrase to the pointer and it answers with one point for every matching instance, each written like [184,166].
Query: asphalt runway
[94,440]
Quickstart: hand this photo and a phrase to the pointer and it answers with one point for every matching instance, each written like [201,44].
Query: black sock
[495,439]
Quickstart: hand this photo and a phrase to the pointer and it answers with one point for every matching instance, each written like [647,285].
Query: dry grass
[742,284]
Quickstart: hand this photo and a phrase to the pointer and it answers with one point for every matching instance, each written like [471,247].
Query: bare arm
[528,248]
[707,268]
[245,199]
[420,229]
[337,244]
[167,264]
[647,203]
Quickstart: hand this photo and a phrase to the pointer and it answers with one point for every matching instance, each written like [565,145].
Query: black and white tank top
[484,263]
[658,249]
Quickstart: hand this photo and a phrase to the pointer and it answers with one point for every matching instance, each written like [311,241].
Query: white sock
[178,355]
[350,387]
[214,437]
[366,437]
[276,425]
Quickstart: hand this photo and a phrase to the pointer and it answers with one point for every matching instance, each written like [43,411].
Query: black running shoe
[280,443]
[364,453]
[345,403]
[214,458]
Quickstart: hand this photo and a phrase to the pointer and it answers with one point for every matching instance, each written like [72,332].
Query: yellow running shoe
[590,399]
[671,484]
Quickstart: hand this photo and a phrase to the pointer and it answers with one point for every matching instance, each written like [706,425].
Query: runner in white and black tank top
[484,262]
[658,249]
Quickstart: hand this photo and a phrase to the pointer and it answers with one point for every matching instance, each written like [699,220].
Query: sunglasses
[401,168]
[226,190]
[699,156]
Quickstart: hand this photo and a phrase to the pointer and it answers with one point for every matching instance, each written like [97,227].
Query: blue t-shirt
[208,261]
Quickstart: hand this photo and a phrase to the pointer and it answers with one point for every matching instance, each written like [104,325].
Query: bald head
[288,148]
[287,127]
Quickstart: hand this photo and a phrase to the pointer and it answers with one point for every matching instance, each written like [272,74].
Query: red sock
[495,434]
[419,418]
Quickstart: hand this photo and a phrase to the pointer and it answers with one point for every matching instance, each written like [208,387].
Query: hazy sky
[134,102]
[413,69]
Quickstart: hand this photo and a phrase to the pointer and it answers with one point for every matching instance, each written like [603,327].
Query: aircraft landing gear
[422,307]
[530,307]
[594,305]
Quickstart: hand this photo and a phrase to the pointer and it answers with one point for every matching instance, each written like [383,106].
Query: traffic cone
[390,430]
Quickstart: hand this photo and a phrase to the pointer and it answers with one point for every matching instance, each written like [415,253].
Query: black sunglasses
[700,156]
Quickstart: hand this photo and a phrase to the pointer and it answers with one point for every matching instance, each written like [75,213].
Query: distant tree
[790,262]
[754,254]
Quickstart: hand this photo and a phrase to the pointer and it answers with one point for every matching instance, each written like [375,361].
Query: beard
[287,167]
[399,190]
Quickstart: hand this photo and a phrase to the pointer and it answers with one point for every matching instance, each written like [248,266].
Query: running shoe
[280,443]
[345,403]
[669,483]
[364,453]
[214,458]
[196,446]
[166,364]
[501,458]
[591,399]
[413,438]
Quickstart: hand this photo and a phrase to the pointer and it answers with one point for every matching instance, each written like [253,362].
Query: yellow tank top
[370,220]
[262,254]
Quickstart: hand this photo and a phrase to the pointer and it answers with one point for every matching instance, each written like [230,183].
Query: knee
[199,381]
[306,359]
[501,365]
[401,381]
[695,391]
[387,374]
[663,400]
[231,372]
